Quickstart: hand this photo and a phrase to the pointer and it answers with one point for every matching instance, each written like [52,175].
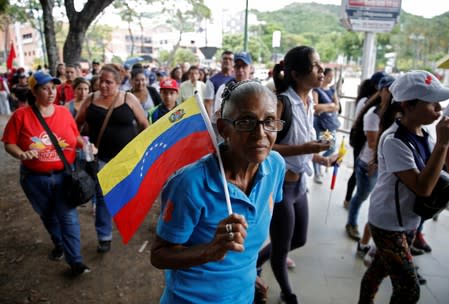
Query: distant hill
[300,18]
[321,20]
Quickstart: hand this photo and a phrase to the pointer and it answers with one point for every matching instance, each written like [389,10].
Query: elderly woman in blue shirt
[210,257]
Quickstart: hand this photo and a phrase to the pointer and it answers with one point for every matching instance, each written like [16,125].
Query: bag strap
[398,207]
[53,139]
[106,119]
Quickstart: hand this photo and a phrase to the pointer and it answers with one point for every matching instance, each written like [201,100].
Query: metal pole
[369,55]
[245,37]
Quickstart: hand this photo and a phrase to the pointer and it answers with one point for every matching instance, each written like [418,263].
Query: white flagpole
[212,135]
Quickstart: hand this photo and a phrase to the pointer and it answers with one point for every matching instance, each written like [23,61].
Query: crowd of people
[270,140]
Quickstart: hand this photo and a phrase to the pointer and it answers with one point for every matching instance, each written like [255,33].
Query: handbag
[428,206]
[79,185]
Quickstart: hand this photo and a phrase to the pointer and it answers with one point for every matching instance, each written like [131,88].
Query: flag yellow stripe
[122,165]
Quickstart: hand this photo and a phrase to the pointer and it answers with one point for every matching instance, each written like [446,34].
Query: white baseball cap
[420,85]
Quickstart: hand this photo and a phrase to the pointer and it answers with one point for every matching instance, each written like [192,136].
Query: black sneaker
[361,252]
[416,251]
[103,246]
[79,269]
[57,254]
[289,299]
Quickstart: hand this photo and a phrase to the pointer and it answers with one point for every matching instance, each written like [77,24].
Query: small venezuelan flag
[131,181]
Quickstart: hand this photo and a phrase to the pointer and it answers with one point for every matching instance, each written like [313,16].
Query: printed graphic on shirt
[44,147]
[168,210]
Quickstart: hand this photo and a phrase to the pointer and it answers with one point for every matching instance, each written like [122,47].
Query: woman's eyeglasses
[248,125]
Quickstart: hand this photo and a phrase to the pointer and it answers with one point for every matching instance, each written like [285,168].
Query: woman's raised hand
[230,235]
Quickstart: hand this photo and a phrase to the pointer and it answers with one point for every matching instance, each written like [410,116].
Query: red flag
[11,57]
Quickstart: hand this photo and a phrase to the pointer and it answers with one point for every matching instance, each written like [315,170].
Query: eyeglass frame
[257,122]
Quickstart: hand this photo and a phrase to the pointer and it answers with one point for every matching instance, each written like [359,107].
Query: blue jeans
[103,219]
[47,196]
[330,151]
[365,185]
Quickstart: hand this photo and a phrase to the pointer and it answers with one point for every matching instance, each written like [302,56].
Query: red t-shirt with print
[25,130]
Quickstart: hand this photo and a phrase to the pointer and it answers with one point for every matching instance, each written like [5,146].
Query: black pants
[288,231]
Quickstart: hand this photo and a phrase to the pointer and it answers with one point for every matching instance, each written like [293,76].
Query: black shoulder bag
[80,186]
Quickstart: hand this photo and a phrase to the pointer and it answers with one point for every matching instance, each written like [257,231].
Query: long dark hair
[388,113]
[366,89]
[297,59]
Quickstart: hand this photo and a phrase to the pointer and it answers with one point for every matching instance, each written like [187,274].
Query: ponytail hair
[297,59]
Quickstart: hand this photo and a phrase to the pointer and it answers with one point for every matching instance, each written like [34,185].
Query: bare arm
[81,115]
[306,148]
[165,255]
[16,152]
[138,111]
[371,139]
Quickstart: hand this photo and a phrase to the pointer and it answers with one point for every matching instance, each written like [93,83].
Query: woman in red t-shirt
[41,172]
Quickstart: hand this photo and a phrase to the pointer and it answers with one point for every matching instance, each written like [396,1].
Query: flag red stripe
[184,152]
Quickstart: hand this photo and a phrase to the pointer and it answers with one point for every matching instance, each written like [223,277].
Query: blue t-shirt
[218,79]
[193,203]
[157,112]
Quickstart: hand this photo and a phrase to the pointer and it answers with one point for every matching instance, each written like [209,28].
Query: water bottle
[88,149]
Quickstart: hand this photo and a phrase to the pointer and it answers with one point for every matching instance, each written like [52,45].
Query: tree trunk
[79,22]
[131,37]
[50,35]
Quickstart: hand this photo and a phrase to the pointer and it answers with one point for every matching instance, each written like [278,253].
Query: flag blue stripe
[126,189]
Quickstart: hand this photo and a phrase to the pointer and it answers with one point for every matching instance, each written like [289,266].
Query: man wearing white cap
[409,165]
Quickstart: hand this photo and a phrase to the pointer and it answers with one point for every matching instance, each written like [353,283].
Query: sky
[424,8]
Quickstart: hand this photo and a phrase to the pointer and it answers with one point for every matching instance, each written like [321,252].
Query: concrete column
[369,55]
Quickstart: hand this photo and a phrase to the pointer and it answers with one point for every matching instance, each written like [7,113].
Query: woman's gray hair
[236,92]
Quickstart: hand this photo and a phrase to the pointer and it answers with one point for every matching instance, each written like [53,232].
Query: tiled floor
[328,271]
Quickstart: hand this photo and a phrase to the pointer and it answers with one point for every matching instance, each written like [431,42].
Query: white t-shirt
[393,156]
[217,103]
[370,123]
[360,105]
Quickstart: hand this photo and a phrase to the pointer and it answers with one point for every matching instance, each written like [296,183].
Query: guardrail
[347,103]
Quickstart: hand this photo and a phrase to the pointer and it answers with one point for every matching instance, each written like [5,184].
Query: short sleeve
[12,129]
[371,121]
[398,157]
[179,215]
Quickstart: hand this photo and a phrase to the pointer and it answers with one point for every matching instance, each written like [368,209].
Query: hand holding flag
[341,153]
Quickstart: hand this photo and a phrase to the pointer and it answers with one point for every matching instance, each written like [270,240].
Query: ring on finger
[230,236]
[228,228]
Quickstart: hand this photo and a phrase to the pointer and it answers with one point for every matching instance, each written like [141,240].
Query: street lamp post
[245,37]
[416,39]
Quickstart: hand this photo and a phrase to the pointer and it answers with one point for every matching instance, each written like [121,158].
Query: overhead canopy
[443,63]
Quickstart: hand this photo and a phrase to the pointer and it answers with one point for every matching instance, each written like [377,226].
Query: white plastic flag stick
[210,129]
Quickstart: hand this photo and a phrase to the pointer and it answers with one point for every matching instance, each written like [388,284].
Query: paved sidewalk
[327,268]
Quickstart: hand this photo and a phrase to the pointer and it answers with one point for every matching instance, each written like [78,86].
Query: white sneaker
[368,258]
[290,263]
[317,179]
